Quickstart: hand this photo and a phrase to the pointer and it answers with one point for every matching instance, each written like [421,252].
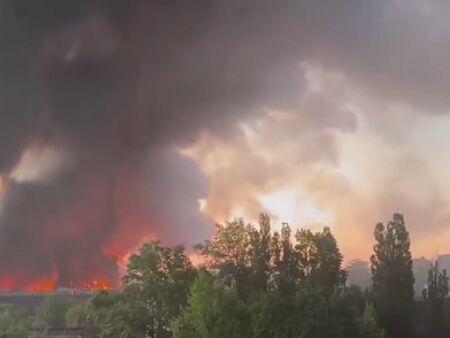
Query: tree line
[260,283]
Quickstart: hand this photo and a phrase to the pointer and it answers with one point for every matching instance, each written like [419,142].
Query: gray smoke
[116,85]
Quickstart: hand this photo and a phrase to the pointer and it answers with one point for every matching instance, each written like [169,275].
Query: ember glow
[47,284]
[38,284]
[98,284]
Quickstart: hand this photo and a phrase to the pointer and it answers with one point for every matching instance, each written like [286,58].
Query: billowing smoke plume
[96,96]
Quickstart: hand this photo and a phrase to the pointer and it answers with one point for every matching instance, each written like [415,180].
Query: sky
[341,169]
[124,121]
[366,136]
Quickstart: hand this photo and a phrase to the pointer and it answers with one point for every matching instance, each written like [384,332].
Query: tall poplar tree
[393,278]
[435,294]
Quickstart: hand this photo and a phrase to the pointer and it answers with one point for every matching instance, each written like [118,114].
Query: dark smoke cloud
[119,83]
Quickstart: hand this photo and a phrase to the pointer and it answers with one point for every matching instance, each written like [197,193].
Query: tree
[286,263]
[312,313]
[77,315]
[156,288]
[275,316]
[261,254]
[155,291]
[231,253]
[98,307]
[325,315]
[392,278]
[435,293]
[111,314]
[257,284]
[355,299]
[368,323]
[125,319]
[13,322]
[52,310]
[320,259]
[214,311]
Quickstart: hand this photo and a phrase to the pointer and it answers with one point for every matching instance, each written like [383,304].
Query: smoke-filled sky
[128,120]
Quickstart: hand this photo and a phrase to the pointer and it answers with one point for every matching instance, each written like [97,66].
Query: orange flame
[7,284]
[99,284]
[48,284]
[45,284]
[41,286]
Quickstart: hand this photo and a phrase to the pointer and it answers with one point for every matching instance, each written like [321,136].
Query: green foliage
[313,313]
[77,315]
[261,255]
[113,315]
[257,284]
[274,316]
[230,252]
[435,294]
[125,320]
[320,258]
[214,311]
[53,308]
[256,261]
[368,323]
[98,308]
[286,265]
[393,278]
[355,299]
[325,315]
[13,322]
[294,287]
[155,290]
